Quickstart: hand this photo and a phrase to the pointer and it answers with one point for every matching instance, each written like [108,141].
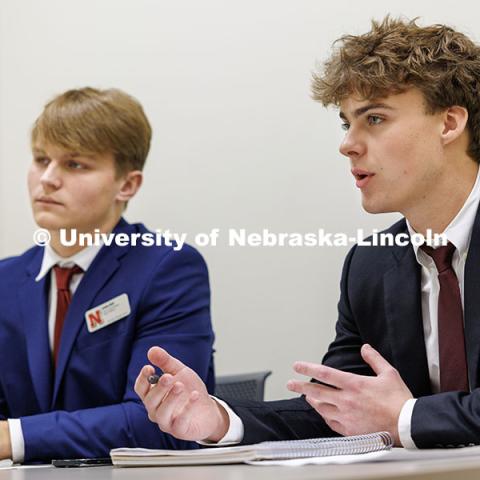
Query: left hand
[5,445]
[359,404]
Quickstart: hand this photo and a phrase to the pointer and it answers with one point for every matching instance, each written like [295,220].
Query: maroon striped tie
[451,337]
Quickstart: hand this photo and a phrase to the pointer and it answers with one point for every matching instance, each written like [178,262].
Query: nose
[51,179]
[352,146]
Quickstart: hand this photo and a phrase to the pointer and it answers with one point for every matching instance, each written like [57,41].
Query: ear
[454,123]
[129,186]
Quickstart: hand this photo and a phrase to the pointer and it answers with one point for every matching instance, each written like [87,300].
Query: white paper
[393,455]
[336,460]
[5,463]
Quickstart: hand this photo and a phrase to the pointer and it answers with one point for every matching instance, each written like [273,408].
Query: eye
[374,120]
[345,126]
[41,160]
[73,165]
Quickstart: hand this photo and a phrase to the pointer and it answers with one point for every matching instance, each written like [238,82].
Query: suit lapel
[472,304]
[98,274]
[33,301]
[403,309]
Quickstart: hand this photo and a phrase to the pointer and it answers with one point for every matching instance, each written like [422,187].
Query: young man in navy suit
[406,357]
[76,321]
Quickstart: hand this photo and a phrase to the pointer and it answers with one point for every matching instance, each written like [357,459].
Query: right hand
[179,403]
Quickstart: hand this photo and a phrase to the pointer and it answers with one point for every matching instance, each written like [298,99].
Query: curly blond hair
[396,55]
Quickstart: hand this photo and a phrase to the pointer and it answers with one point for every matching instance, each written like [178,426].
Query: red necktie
[64,297]
[451,337]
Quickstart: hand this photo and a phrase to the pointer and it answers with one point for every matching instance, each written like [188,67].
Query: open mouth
[362,177]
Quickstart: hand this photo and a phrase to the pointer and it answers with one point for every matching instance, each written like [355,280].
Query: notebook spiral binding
[322,447]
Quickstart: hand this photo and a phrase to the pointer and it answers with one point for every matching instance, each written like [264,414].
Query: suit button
[471,444]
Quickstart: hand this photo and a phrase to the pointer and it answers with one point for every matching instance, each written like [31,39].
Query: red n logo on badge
[95,319]
[107,313]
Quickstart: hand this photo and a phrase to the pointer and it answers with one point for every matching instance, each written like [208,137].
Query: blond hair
[88,120]
[396,55]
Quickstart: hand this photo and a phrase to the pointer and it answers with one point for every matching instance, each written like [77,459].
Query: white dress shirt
[458,232]
[83,259]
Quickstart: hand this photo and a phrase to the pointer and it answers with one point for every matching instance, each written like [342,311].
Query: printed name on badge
[107,313]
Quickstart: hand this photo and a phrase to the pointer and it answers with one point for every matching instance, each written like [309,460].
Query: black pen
[153,379]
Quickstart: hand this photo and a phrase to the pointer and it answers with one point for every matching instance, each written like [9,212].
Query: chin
[376,207]
[49,222]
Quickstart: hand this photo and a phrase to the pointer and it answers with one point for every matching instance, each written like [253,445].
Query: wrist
[222,423]
[395,436]
[394,428]
[5,443]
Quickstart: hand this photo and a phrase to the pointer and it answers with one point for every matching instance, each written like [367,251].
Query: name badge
[107,313]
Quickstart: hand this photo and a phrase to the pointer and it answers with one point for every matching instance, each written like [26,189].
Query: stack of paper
[290,449]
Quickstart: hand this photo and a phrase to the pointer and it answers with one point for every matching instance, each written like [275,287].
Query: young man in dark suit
[77,321]
[407,348]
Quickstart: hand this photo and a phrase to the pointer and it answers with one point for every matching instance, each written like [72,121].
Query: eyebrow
[68,155]
[360,111]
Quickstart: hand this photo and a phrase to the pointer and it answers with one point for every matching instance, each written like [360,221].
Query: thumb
[374,359]
[163,360]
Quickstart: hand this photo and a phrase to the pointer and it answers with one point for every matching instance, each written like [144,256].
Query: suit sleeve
[174,312]
[344,352]
[295,418]
[450,419]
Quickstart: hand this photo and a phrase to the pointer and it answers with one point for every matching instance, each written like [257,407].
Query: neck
[65,250]
[439,206]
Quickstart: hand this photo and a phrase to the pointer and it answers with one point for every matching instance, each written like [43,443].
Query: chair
[244,386]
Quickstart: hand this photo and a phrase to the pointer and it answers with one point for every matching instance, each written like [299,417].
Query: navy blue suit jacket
[87,405]
[380,304]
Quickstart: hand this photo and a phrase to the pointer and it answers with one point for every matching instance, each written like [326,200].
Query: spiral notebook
[281,450]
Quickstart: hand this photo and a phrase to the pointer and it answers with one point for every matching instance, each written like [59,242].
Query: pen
[153,379]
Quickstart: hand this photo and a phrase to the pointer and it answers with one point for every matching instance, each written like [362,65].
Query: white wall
[238,143]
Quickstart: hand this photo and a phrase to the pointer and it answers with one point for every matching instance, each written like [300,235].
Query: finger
[158,392]
[175,399]
[324,374]
[329,413]
[336,426]
[142,386]
[326,410]
[314,390]
[374,359]
[184,416]
[162,359]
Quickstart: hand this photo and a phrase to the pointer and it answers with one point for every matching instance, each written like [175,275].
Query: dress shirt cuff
[234,433]
[16,440]
[405,424]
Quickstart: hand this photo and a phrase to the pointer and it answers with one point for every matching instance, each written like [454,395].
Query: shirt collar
[83,259]
[459,230]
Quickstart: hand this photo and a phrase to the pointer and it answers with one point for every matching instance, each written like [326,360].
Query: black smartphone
[81,462]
